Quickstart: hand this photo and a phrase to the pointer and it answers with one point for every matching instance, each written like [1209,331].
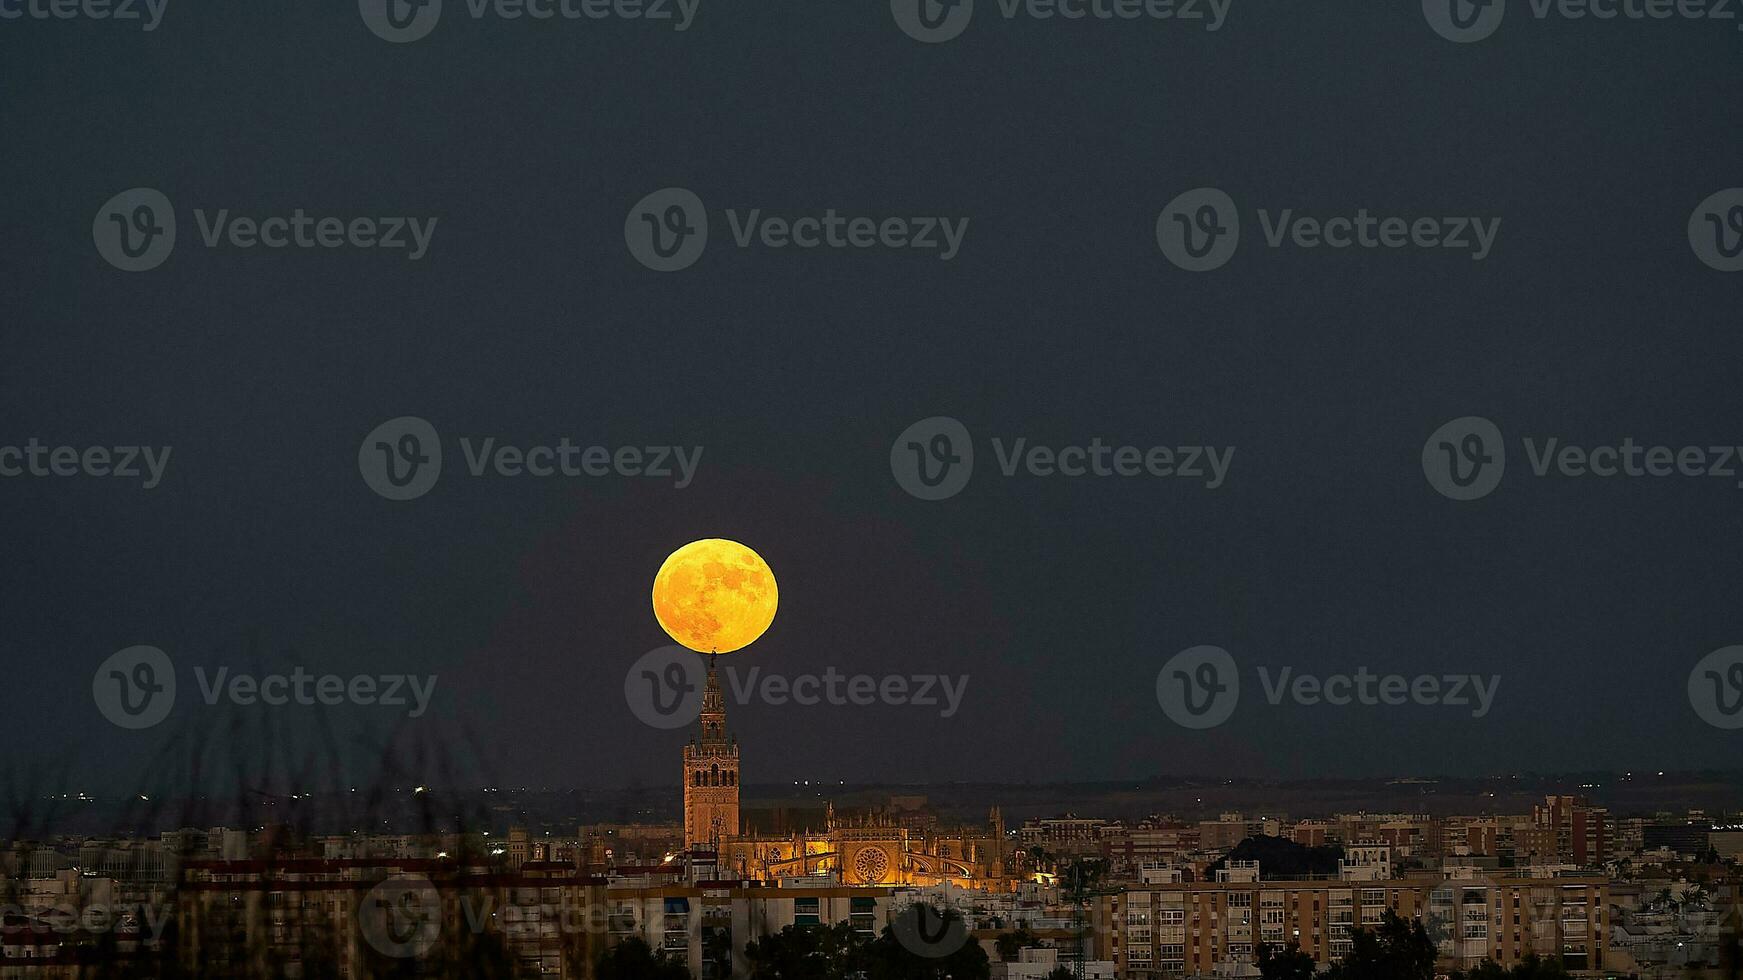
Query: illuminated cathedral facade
[868,849]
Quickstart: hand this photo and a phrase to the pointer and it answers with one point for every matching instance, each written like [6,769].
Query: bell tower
[711,774]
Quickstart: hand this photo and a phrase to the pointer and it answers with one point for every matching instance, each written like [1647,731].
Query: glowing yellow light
[715,595]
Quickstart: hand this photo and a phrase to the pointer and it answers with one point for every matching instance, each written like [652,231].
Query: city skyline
[707,882]
[884,490]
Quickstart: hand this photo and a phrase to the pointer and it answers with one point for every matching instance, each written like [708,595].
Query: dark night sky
[1059,322]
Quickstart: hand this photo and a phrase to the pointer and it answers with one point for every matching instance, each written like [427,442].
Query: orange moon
[715,595]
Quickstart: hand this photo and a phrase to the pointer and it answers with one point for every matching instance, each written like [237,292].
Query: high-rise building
[1578,832]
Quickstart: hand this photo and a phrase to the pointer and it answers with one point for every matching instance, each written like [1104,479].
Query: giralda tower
[711,774]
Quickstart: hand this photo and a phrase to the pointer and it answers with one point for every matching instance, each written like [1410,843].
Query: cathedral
[869,849]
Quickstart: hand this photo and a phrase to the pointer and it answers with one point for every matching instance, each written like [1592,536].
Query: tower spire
[711,772]
[713,716]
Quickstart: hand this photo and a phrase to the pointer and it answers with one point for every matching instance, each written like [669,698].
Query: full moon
[715,595]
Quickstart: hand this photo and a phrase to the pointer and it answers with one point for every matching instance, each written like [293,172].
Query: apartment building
[1572,830]
[1170,931]
[1230,829]
[1069,834]
[1367,861]
[1506,919]
[1150,843]
[547,918]
[1472,837]
[1417,837]
[1686,838]
[1312,833]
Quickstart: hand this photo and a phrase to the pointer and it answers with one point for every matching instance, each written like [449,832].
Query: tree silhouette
[1398,950]
[634,959]
[888,959]
[807,953]
[1010,945]
[1289,964]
